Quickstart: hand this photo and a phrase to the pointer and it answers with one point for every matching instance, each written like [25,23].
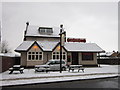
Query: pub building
[41,44]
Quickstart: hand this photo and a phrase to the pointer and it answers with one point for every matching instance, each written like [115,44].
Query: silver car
[52,65]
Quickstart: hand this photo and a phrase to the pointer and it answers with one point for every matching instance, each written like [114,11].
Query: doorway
[75,58]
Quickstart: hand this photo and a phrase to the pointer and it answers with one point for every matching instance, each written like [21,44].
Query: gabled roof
[45,45]
[24,46]
[69,46]
[82,47]
[33,31]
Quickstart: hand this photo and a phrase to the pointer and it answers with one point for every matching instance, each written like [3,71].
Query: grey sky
[95,21]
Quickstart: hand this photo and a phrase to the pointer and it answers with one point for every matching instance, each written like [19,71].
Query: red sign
[76,40]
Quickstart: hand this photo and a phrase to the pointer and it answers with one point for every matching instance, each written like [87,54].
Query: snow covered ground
[29,76]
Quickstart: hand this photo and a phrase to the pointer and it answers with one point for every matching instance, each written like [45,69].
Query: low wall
[7,62]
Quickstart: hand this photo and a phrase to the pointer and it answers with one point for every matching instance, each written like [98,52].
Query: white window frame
[34,56]
[55,53]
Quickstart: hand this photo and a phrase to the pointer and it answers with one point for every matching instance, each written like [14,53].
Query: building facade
[41,44]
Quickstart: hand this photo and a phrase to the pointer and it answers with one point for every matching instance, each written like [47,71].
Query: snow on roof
[33,31]
[45,45]
[24,46]
[69,46]
[82,47]
[106,54]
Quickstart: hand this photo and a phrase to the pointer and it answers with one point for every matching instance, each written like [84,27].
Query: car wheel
[63,69]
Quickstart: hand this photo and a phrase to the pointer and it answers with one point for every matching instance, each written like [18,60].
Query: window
[33,52]
[87,56]
[29,52]
[34,55]
[64,55]
[56,55]
[29,57]
[53,56]
[44,30]
[49,30]
[40,57]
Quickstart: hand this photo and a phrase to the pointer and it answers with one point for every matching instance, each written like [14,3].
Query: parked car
[52,65]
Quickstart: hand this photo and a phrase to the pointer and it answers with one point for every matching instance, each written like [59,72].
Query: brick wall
[8,62]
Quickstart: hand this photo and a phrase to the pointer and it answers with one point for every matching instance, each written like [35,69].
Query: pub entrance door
[75,58]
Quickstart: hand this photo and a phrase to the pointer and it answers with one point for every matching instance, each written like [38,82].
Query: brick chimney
[27,24]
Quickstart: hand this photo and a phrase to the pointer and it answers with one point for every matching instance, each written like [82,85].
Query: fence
[7,62]
[111,61]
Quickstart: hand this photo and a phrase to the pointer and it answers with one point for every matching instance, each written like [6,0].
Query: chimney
[27,24]
[61,26]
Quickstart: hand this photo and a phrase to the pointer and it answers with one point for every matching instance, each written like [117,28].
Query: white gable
[45,45]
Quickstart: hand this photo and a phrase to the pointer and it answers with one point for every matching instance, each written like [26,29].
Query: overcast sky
[95,21]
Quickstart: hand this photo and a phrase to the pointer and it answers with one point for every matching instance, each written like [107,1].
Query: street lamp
[61,45]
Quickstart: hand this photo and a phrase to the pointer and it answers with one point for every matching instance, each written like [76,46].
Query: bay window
[87,56]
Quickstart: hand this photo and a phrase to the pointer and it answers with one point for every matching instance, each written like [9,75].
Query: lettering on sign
[76,40]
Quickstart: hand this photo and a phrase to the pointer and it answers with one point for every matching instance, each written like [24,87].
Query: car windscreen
[50,62]
[54,62]
[58,62]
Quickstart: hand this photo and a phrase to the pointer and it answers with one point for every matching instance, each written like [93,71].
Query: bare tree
[4,47]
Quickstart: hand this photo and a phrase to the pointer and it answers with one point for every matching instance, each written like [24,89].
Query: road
[97,83]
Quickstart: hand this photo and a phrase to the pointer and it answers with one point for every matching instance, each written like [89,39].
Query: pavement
[30,77]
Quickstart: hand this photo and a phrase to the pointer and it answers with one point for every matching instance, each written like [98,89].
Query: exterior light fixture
[35,47]
[58,48]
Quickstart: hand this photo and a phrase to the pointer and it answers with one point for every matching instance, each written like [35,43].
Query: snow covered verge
[29,76]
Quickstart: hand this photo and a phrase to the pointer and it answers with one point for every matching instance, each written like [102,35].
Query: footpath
[30,77]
